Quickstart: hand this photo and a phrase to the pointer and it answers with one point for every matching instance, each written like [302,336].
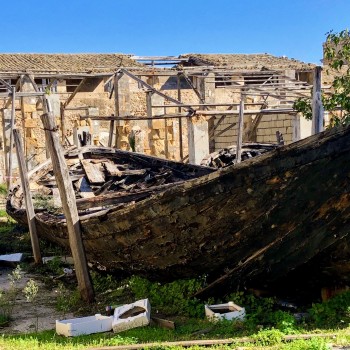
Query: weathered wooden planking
[93,172]
[27,197]
[52,181]
[112,169]
[120,197]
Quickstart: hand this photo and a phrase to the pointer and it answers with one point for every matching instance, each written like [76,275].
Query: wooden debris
[104,188]
[112,169]
[93,172]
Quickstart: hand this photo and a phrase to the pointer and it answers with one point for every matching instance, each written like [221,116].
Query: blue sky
[294,28]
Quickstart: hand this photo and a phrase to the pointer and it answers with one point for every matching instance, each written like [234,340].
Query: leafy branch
[336,102]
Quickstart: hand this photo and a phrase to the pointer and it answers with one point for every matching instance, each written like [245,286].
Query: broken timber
[28,199]
[69,206]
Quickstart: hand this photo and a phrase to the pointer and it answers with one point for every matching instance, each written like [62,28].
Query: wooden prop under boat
[259,219]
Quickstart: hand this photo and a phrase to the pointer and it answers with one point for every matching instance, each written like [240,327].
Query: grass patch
[3,190]
[263,340]
[14,239]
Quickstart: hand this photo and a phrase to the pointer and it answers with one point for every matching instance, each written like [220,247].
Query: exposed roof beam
[77,89]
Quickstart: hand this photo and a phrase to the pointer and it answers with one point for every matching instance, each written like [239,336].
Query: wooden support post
[149,103]
[111,133]
[317,107]
[117,76]
[77,89]
[27,197]
[166,146]
[8,102]
[63,127]
[67,194]
[5,127]
[240,132]
[180,119]
[13,117]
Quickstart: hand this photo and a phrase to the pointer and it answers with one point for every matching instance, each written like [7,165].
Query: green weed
[67,300]
[334,313]
[3,190]
[268,337]
[8,298]
[173,298]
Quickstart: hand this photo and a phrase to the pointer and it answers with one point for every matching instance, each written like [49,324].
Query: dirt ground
[33,316]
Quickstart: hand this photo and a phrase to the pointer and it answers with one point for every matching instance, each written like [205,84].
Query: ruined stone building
[175,107]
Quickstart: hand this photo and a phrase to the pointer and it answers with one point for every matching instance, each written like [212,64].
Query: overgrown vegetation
[266,324]
[336,102]
[171,298]
[332,313]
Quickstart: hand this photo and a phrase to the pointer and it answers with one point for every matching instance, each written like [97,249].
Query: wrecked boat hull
[259,219]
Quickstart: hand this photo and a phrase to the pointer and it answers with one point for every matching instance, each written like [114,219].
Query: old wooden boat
[259,219]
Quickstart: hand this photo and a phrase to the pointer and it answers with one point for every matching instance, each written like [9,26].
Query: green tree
[337,101]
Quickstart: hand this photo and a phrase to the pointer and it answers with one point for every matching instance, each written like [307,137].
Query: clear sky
[295,28]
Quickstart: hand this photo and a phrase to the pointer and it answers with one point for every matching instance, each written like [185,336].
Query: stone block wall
[155,137]
[270,124]
[265,132]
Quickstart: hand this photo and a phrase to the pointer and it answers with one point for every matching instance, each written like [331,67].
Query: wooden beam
[231,343]
[8,102]
[159,58]
[149,103]
[111,133]
[166,146]
[209,104]
[27,197]
[35,86]
[180,119]
[240,132]
[13,120]
[149,87]
[117,76]
[6,84]
[23,94]
[115,198]
[77,89]
[63,126]
[189,82]
[317,107]
[67,195]
[198,113]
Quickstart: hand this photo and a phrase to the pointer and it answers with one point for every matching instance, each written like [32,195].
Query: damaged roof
[77,63]
[247,61]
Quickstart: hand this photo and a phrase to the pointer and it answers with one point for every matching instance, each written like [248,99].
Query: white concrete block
[130,316]
[84,325]
[228,311]
[15,257]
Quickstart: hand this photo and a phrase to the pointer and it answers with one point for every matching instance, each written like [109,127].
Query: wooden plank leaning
[69,206]
[27,197]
